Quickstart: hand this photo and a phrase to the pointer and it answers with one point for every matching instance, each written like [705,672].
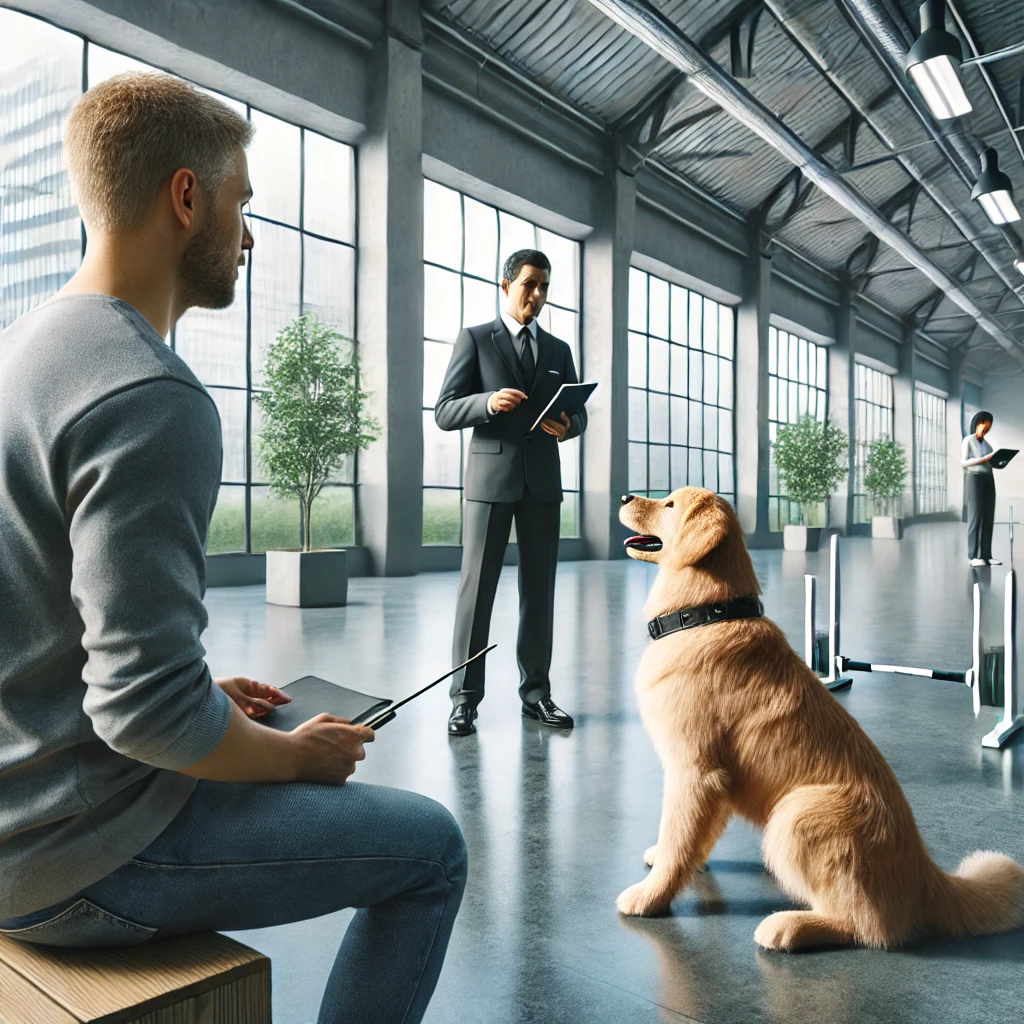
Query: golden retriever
[742,726]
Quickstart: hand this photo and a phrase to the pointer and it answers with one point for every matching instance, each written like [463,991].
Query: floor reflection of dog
[742,726]
[690,971]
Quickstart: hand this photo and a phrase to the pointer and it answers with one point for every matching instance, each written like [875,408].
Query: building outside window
[873,410]
[797,385]
[40,231]
[681,348]
[930,453]
[303,224]
[465,244]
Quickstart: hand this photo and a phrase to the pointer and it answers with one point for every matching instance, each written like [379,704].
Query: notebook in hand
[1001,458]
[312,696]
[569,398]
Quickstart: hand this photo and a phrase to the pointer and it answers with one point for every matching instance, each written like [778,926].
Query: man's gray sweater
[110,460]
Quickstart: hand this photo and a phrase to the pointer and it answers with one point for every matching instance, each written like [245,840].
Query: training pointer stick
[384,715]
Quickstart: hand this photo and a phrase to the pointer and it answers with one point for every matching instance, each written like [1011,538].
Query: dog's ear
[702,527]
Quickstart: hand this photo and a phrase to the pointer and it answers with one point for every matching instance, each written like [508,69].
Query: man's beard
[208,271]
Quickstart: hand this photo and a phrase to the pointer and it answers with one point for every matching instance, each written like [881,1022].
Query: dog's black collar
[703,615]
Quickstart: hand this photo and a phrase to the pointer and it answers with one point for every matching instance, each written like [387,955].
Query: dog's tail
[983,897]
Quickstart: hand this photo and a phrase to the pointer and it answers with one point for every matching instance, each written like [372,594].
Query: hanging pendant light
[932,64]
[995,191]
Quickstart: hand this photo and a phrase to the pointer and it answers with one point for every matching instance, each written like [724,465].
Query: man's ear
[702,527]
[183,196]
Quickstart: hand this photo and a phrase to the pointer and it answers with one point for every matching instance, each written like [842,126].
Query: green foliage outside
[886,475]
[811,460]
[277,523]
[442,517]
[313,412]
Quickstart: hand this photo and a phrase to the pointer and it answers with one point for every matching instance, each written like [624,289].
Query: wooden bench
[189,979]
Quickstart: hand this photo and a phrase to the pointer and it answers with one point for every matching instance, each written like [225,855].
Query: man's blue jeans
[247,855]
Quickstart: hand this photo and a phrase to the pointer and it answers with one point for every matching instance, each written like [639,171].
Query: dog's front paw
[641,901]
[649,854]
[774,932]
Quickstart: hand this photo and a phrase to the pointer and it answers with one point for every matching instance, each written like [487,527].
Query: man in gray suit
[501,376]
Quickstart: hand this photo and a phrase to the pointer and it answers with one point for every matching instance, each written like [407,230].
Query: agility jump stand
[1012,719]
[833,679]
[837,664]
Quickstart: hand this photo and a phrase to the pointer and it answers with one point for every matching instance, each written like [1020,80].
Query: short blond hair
[126,137]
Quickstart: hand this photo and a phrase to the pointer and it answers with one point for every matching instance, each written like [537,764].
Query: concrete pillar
[751,405]
[606,259]
[390,295]
[903,423]
[842,411]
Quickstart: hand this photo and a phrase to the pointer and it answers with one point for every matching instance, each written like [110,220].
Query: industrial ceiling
[828,75]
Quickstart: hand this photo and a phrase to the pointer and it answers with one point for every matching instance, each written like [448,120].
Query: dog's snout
[627,498]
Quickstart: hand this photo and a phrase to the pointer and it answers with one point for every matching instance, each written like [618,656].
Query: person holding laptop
[976,457]
[140,798]
[500,379]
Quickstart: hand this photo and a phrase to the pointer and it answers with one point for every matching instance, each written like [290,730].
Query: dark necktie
[526,360]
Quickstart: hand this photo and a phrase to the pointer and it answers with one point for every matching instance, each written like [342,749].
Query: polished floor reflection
[556,824]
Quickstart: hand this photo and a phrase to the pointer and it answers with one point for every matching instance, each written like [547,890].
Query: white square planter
[801,538]
[887,527]
[307,579]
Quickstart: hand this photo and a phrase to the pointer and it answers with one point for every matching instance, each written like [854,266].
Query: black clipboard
[1002,458]
[312,696]
[569,398]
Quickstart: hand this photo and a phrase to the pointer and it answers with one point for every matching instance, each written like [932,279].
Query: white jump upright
[976,653]
[1012,719]
[810,618]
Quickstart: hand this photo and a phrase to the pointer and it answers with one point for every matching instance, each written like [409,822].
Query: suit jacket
[504,457]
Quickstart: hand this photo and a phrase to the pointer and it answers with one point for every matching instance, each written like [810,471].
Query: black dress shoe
[547,712]
[460,721]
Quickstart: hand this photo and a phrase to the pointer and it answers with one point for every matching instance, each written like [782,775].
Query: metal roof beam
[997,96]
[643,20]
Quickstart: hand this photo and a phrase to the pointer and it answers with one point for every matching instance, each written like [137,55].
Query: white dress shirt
[514,328]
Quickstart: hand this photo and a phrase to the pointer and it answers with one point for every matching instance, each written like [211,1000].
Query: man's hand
[327,749]
[505,400]
[257,700]
[556,429]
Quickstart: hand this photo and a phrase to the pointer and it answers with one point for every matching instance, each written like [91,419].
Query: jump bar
[902,670]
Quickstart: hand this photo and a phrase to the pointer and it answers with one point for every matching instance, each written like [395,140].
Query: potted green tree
[810,457]
[884,479]
[314,418]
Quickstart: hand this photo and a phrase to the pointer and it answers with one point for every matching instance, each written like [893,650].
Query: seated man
[139,799]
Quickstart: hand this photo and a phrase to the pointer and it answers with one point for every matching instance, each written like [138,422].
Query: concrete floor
[556,824]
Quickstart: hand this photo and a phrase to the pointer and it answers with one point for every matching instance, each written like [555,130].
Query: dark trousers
[485,537]
[981,512]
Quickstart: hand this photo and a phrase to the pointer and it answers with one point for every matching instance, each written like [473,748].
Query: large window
[797,385]
[930,455]
[680,389]
[303,224]
[40,233]
[465,244]
[303,261]
[873,414]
